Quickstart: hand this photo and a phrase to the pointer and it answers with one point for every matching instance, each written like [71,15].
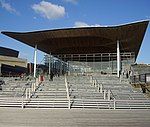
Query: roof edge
[69,28]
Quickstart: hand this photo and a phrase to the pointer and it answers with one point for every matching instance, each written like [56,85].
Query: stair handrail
[114,99]
[97,84]
[67,90]
[24,91]
[30,92]
[34,87]
[112,94]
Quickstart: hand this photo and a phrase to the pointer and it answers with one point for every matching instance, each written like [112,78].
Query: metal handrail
[67,90]
[112,94]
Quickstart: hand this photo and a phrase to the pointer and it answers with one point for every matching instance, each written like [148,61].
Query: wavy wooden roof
[85,40]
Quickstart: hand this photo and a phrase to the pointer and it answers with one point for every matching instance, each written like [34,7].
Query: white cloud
[8,7]
[49,10]
[34,18]
[83,24]
[80,24]
[71,1]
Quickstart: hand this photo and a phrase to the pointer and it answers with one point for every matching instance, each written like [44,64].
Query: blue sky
[31,15]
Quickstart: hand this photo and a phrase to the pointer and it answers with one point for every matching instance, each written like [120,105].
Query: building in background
[105,50]
[10,64]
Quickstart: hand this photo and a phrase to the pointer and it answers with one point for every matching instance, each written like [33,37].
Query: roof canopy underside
[85,40]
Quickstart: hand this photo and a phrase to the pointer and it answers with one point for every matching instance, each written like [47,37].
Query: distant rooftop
[8,52]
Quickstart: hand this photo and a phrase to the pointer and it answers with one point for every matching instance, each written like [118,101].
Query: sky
[32,15]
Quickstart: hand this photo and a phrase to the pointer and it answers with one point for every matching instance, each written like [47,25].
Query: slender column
[30,68]
[61,67]
[68,68]
[118,59]
[109,63]
[52,67]
[101,61]
[86,63]
[0,69]
[49,65]
[112,66]
[35,60]
[93,62]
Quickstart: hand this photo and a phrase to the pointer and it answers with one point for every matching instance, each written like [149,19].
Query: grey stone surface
[14,117]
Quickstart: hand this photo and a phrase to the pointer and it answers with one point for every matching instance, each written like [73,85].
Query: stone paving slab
[14,117]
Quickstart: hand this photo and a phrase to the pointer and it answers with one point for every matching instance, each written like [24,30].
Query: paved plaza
[14,117]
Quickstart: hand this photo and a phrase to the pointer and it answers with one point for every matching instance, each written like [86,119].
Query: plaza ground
[14,117]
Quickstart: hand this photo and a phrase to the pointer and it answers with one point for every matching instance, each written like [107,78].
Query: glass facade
[105,63]
[57,66]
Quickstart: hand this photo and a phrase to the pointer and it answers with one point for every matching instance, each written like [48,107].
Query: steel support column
[0,69]
[118,59]
[35,60]
[68,66]
[49,64]
[109,63]
[61,66]
[101,61]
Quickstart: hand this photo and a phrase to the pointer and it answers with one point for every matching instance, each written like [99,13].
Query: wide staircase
[33,94]
[85,94]
[49,94]
[12,91]
[76,91]
[124,95]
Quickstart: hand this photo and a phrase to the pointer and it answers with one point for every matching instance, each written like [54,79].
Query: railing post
[101,88]
[36,81]
[32,86]
[96,83]
[114,103]
[22,106]
[108,94]
[98,87]
[26,93]
[69,103]
[93,82]
[104,94]
[91,79]
[29,93]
